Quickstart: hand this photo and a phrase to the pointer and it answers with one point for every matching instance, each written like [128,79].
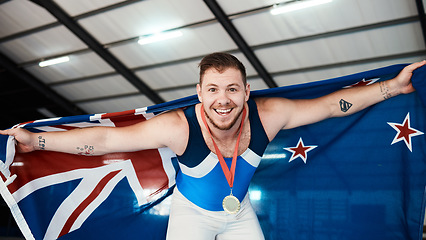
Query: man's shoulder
[175,115]
[269,103]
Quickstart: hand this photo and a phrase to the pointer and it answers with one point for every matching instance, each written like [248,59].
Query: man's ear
[199,92]
[247,92]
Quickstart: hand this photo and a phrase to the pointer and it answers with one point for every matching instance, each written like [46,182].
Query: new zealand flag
[357,177]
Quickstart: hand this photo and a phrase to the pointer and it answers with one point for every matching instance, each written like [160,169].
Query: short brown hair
[221,61]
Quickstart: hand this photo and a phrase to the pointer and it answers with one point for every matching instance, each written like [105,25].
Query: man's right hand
[24,139]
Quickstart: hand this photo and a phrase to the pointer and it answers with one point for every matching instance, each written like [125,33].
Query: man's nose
[223,98]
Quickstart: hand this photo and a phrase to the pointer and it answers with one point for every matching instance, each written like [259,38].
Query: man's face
[223,96]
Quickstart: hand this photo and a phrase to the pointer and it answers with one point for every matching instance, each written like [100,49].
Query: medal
[230,203]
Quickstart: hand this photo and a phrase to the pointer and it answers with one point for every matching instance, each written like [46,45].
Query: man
[219,143]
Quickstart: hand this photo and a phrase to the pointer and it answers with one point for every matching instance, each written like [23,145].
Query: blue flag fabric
[357,177]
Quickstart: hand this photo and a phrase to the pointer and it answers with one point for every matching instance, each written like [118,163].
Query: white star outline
[399,138]
[363,82]
[296,155]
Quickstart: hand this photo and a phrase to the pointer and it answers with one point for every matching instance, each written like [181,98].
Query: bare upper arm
[282,113]
[169,129]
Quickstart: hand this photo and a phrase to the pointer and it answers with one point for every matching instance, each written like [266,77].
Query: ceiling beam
[422,17]
[93,44]
[241,43]
[38,85]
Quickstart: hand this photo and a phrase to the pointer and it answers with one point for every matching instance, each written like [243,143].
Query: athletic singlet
[201,179]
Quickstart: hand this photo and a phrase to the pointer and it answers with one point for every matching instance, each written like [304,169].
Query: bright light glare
[159,37]
[54,61]
[255,195]
[274,156]
[297,5]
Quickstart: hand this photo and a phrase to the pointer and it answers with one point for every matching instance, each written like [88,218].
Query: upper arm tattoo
[344,105]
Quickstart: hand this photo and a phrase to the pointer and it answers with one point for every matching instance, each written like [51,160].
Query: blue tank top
[201,179]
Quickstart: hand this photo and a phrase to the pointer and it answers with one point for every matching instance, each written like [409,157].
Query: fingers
[10,132]
[4,132]
[416,65]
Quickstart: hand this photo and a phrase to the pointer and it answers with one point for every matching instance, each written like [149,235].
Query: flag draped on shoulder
[356,177]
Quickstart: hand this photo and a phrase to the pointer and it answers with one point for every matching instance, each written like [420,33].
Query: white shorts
[188,221]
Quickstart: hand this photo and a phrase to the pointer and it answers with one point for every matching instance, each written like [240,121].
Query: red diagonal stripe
[95,193]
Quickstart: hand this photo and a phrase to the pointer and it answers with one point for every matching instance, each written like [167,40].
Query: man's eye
[212,90]
[232,89]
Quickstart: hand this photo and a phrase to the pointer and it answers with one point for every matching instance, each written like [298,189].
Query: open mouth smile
[223,111]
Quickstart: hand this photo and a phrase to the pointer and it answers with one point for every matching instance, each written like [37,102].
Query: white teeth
[223,110]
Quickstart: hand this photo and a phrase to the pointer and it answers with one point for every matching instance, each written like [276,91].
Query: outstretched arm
[166,130]
[280,113]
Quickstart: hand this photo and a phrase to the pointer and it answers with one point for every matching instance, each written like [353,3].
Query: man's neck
[225,135]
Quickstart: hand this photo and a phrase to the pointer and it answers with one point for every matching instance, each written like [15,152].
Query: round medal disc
[231,204]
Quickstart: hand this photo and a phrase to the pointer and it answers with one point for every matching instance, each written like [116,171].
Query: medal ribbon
[229,174]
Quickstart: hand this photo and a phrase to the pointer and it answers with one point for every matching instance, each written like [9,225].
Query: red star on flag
[404,132]
[300,151]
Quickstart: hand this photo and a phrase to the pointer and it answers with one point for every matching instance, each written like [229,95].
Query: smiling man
[219,143]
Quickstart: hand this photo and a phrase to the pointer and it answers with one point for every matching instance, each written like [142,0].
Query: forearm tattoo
[385,90]
[86,150]
[345,105]
[41,143]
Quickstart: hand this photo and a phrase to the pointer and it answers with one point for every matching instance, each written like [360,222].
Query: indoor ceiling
[108,71]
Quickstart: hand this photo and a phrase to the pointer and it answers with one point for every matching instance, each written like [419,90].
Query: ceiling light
[296,5]
[159,37]
[54,61]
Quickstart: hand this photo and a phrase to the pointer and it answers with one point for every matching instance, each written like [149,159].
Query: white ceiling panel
[305,77]
[77,7]
[116,104]
[257,84]
[21,15]
[80,65]
[334,16]
[176,94]
[144,18]
[171,76]
[383,10]
[296,55]
[344,48]
[96,88]
[194,42]
[249,68]
[37,46]
[384,41]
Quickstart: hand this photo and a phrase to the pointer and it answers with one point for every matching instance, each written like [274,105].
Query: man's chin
[223,126]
